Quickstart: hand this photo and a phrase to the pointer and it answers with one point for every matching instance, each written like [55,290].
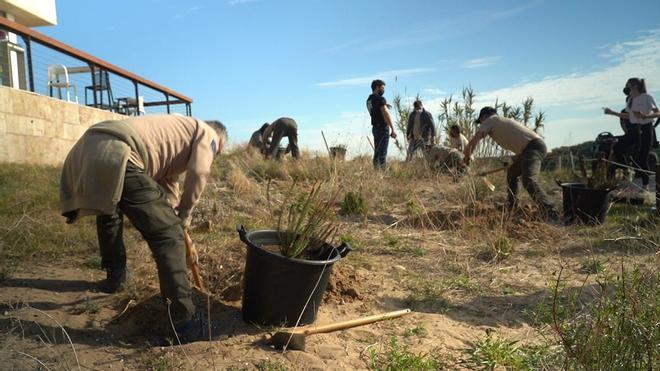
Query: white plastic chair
[55,74]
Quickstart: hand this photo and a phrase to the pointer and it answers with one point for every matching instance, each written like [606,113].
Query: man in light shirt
[530,150]
[132,167]
[456,139]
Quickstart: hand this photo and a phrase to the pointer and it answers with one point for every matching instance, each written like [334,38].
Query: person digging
[530,150]
[131,168]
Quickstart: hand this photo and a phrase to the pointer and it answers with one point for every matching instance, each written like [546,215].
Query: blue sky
[246,62]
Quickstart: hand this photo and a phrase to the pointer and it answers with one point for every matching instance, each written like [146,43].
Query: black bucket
[338,153]
[587,205]
[277,288]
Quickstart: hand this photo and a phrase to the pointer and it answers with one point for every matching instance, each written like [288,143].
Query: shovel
[487,182]
[296,339]
[197,278]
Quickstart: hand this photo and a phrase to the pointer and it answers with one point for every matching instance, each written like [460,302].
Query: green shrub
[619,329]
[353,203]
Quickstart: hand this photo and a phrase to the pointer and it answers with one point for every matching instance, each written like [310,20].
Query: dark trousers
[527,165]
[626,145]
[381,141]
[646,141]
[415,145]
[278,134]
[145,205]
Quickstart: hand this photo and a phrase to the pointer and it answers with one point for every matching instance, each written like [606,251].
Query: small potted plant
[287,269]
[338,152]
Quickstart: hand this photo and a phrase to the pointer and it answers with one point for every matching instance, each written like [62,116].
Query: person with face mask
[627,144]
[420,131]
[641,110]
[381,123]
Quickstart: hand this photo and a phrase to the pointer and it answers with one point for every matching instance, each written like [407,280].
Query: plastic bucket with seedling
[280,290]
[338,153]
[287,269]
[584,204]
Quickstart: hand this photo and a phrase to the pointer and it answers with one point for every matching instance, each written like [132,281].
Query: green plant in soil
[494,353]
[305,223]
[619,329]
[398,357]
[592,266]
[418,330]
[268,365]
[353,203]
[497,250]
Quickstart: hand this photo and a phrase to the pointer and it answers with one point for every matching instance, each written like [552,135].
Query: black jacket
[428,128]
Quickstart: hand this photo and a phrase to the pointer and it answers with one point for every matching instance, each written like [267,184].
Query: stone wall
[35,129]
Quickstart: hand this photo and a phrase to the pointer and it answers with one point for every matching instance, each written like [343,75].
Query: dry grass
[426,239]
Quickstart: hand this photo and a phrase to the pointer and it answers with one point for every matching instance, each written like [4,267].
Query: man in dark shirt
[381,123]
[420,131]
[280,128]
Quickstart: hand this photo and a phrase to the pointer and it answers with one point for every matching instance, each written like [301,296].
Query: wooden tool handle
[491,171]
[356,322]
[197,279]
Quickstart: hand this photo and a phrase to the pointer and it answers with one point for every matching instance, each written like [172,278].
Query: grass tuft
[399,357]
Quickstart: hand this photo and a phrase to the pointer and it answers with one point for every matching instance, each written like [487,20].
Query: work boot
[115,280]
[195,329]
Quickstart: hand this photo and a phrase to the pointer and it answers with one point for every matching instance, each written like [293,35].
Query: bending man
[530,151]
[282,127]
[131,168]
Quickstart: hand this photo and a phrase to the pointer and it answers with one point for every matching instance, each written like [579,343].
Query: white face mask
[418,110]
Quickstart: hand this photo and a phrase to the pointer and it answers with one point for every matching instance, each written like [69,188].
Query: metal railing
[103,85]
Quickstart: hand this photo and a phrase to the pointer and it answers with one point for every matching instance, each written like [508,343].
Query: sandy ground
[52,315]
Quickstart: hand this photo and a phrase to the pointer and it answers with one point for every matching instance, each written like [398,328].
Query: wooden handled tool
[194,267]
[487,182]
[296,339]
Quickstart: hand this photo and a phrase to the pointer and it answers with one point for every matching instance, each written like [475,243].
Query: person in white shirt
[641,111]
[456,139]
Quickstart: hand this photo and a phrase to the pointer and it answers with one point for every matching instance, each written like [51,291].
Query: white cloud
[599,87]
[366,80]
[568,98]
[480,62]
[434,92]
[239,2]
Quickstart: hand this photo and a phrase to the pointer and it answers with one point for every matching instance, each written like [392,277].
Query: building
[50,92]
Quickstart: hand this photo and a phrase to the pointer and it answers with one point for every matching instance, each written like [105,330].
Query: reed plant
[306,222]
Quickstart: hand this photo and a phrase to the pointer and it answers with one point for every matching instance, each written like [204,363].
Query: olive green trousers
[144,202]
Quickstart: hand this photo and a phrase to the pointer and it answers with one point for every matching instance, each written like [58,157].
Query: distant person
[381,123]
[530,151]
[456,139]
[420,131]
[627,144]
[280,128]
[642,109]
[256,140]
[132,168]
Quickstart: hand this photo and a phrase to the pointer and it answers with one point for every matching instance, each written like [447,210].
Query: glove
[185,217]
